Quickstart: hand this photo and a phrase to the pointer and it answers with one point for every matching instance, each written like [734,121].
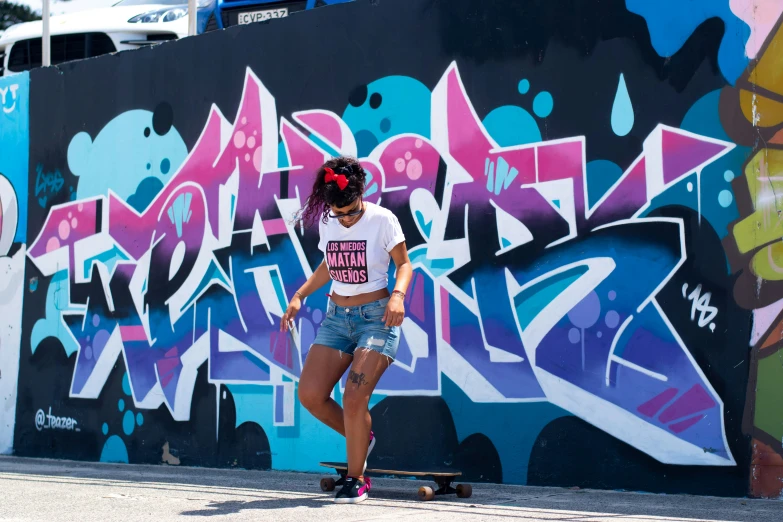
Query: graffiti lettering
[47,185]
[701,303]
[8,105]
[543,313]
[9,215]
[47,421]
[14,149]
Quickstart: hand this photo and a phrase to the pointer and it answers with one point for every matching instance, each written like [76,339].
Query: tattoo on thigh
[356,378]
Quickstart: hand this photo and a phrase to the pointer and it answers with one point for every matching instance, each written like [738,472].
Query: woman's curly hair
[326,195]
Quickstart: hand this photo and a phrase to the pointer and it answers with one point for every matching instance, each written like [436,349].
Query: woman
[362,324]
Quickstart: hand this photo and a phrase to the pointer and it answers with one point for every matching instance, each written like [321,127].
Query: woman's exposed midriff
[361,299]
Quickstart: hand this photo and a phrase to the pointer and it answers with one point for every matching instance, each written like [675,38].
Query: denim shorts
[346,328]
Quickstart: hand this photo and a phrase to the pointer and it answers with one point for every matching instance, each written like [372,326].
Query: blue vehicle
[229,13]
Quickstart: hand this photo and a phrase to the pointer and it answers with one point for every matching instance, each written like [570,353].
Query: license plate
[262,16]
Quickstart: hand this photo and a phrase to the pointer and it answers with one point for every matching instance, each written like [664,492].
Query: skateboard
[442,477]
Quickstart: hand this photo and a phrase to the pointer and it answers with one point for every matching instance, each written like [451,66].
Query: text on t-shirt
[347,261]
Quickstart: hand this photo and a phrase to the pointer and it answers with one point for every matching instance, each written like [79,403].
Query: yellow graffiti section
[764,176]
[759,235]
[761,110]
[767,263]
[762,105]
[768,73]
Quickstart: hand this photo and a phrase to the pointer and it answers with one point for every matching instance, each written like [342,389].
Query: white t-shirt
[358,257]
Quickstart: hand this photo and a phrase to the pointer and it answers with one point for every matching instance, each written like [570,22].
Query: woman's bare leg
[367,368]
[323,368]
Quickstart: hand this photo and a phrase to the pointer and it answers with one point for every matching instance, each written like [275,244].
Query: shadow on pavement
[264,491]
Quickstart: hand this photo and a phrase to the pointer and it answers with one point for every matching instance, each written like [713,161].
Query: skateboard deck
[442,477]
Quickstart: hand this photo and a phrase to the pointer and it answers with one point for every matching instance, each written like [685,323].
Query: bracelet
[401,294]
[298,293]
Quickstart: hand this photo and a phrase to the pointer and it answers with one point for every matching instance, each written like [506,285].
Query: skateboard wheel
[464,490]
[426,493]
[327,484]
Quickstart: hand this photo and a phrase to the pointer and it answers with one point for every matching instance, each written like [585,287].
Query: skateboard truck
[444,488]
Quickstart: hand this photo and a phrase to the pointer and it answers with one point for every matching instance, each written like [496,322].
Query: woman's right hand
[293,308]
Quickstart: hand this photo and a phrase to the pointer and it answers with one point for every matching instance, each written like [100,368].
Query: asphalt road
[49,490]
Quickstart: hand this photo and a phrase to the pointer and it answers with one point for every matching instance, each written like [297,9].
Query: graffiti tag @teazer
[47,421]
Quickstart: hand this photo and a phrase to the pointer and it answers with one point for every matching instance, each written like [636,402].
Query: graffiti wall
[588,196]
[13,225]
[752,112]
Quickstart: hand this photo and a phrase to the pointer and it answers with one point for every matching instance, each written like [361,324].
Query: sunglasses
[348,214]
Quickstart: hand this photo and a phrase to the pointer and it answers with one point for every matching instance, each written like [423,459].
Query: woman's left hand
[395,311]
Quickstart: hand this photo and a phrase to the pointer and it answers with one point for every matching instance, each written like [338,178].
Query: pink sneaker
[353,491]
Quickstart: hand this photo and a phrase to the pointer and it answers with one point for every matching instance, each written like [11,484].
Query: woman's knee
[355,402]
[311,397]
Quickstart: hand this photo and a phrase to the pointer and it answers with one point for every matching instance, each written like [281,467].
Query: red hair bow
[341,180]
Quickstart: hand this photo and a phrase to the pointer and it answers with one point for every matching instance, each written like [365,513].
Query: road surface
[49,490]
